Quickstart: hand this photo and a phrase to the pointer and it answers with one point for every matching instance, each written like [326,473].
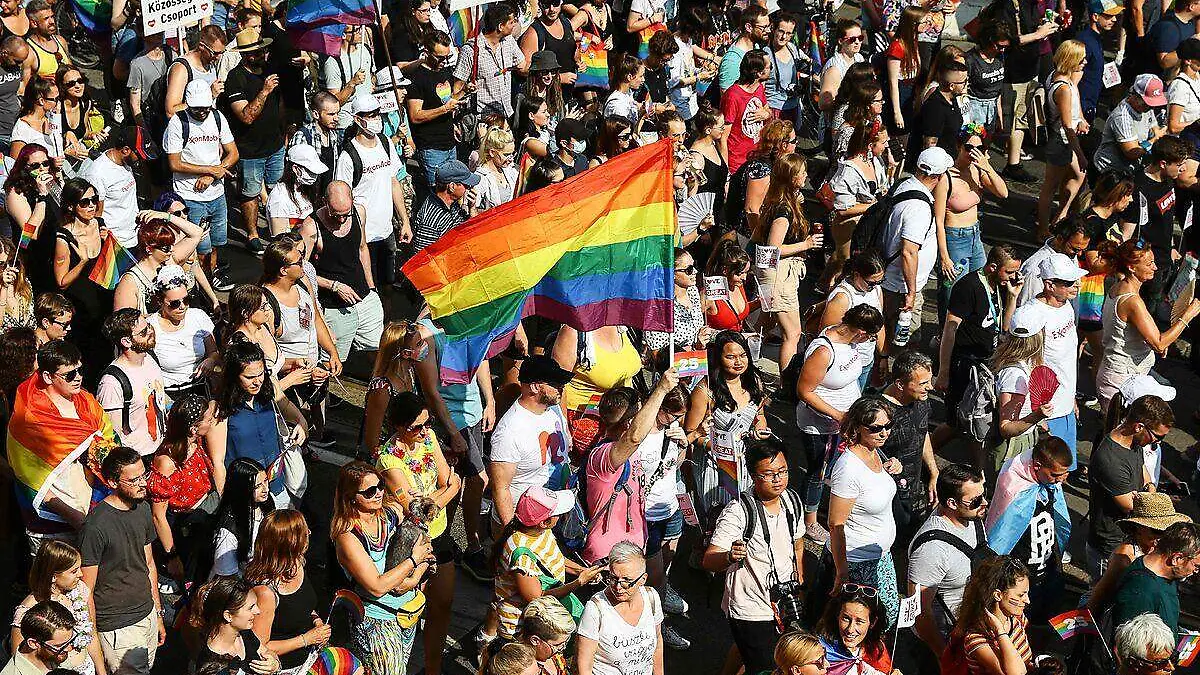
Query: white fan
[695,209]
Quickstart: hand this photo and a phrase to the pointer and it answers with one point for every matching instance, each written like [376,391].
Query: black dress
[39,255]
[209,662]
[293,617]
[92,303]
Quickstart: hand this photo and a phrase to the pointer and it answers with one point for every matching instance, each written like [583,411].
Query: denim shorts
[658,532]
[254,171]
[217,211]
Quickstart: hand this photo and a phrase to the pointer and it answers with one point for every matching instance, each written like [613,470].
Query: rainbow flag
[1185,652]
[319,25]
[1074,622]
[112,262]
[94,15]
[464,23]
[42,443]
[594,58]
[690,364]
[644,38]
[28,232]
[594,250]
[816,47]
[335,661]
[352,603]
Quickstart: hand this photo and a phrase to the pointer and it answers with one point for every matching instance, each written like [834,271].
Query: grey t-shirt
[115,541]
[1123,125]
[936,564]
[10,103]
[143,71]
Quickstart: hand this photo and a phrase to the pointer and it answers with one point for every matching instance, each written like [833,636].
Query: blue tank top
[253,434]
[384,607]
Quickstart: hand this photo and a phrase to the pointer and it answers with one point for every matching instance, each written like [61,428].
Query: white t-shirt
[870,528]
[117,188]
[622,104]
[374,189]
[1062,354]
[147,409]
[225,545]
[178,352]
[911,220]
[202,147]
[52,141]
[623,649]
[1184,92]
[1015,380]
[662,498]
[281,205]
[747,583]
[533,443]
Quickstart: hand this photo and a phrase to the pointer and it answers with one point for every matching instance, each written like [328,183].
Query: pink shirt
[626,519]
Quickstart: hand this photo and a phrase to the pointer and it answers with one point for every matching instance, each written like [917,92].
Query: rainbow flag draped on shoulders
[1015,501]
[113,261]
[594,250]
[319,25]
[42,443]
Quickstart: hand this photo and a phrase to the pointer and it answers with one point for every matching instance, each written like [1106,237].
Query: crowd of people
[162,417]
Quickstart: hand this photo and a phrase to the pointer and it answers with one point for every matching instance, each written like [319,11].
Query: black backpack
[126,393]
[356,159]
[871,228]
[186,123]
[154,103]
[752,507]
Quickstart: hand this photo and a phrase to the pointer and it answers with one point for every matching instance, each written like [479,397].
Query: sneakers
[221,281]
[325,442]
[1018,173]
[256,246]
[673,640]
[1026,156]
[816,533]
[672,602]
[475,563]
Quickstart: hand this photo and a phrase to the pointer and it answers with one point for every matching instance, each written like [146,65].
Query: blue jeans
[865,378]
[966,250]
[429,161]
[1065,427]
[217,213]
[256,171]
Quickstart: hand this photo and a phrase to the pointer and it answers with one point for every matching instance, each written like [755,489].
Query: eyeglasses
[88,201]
[868,591]
[341,217]
[71,375]
[72,83]
[142,478]
[878,428]
[619,582]
[371,492]
[772,476]
[179,304]
[690,269]
[1151,664]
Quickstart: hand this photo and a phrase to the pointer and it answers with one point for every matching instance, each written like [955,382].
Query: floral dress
[75,600]
[419,466]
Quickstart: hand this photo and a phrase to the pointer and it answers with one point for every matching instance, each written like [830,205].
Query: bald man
[14,75]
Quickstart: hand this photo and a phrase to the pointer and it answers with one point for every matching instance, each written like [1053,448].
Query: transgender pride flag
[319,25]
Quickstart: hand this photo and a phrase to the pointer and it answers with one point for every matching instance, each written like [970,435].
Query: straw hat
[1154,510]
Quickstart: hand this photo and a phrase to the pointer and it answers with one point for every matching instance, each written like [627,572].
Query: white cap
[362,103]
[1138,386]
[306,156]
[934,161]
[198,94]
[1029,319]
[385,77]
[1059,266]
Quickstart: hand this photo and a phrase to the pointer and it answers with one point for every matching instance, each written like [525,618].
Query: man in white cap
[1132,127]
[369,164]
[910,243]
[285,210]
[201,151]
[489,59]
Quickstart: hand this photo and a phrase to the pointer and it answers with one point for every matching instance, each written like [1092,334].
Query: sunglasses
[868,591]
[420,427]
[341,217]
[50,99]
[71,375]
[975,503]
[178,304]
[1152,665]
[690,269]
[878,428]
[88,201]
[72,83]
[371,492]
[1155,435]
[973,146]
[33,166]
[853,38]
[58,649]
[182,213]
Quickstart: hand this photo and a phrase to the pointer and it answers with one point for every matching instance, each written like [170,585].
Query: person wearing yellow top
[601,360]
[412,465]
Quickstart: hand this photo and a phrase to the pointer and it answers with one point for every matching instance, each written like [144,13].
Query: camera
[787,599]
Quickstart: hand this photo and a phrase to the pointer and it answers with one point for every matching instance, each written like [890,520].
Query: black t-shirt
[1021,61]
[578,166]
[264,136]
[910,427]
[10,103]
[656,84]
[1098,227]
[984,79]
[1153,211]
[115,541]
[980,311]
[1115,470]
[1037,547]
[291,77]
[432,88]
[940,119]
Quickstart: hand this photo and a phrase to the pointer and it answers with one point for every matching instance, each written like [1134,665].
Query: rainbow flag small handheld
[690,364]
[1186,651]
[112,262]
[1072,623]
[352,603]
[335,661]
[28,231]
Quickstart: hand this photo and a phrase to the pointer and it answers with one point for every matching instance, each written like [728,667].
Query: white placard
[163,15]
[716,288]
[387,101]
[1111,76]
[766,257]
[910,609]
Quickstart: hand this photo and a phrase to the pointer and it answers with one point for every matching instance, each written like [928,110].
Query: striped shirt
[433,219]
[974,640]
[508,600]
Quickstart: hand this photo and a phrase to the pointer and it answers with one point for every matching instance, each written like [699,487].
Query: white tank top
[873,297]
[839,388]
[299,339]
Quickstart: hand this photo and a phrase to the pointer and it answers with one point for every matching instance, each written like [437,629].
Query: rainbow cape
[1074,622]
[112,262]
[42,443]
[594,250]
[335,661]
[319,25]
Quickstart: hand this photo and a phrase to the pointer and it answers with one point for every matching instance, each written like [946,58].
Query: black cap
[542,368]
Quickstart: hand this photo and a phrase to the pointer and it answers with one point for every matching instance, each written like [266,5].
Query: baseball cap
[1138,386]
[198,94]
[1150,88]
[542,368]
[363,103]
[306,156]
[934,161]
[537,504]
[1029,319]
[454,171]
[1059,266]
[1109,7]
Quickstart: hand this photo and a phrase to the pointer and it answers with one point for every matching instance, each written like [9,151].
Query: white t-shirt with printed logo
[117,188]
[1061,354]
[533,443]
[623,649]
[374,189]
[662,498]
[202,147]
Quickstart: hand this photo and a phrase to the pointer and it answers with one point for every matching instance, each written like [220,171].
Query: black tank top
[339,261]
[209,662]
[563,47]
[293,617]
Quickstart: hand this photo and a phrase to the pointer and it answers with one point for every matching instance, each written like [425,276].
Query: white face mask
[578,147]
[375,125]
[304,176]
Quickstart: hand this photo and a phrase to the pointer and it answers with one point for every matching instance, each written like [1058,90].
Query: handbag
[644,39]
[290,460]
[594,59]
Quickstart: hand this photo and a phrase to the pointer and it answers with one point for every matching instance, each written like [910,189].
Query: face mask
[578,147]
[304,176]
[375,125]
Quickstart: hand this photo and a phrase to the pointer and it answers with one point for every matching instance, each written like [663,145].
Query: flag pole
[387,52]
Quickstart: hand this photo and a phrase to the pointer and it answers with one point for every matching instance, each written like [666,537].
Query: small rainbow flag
[690,364]
[112,262]
[593,405]
[464,23]
[352,603]
[644,38]
[335,661]
[1069,624]
[28,232]
[1186,651]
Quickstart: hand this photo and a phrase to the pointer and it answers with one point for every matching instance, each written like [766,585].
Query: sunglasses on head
[868,591]
[371,492]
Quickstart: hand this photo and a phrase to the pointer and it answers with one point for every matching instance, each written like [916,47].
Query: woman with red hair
[162,238]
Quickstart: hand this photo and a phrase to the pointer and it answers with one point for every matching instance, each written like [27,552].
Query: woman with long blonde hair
[785,229]
[401,347]
[497,168]
[1065,162]
[16,295]
[800,653]
[1019,352]
[287,623]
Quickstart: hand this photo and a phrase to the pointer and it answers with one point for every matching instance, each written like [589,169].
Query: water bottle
[903,329]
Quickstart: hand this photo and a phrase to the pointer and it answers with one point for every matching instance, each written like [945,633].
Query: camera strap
[766,530]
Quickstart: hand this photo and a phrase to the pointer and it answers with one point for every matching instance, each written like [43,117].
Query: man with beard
[1151,583]
[47,640]
[756,28]
[112,176]
[118,567]
[912,374]
[198,64]
[131,387]
[431,106]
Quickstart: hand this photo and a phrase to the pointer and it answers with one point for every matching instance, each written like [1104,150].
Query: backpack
[573,528]
[869,232]
[154,103]
[976,412]
[975,555]
[356,162]
[186,123]
[753,509]
[126,394]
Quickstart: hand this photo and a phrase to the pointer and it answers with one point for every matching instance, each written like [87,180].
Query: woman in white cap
[1019,352]
[291,200]
[1152,513]
[1131,336]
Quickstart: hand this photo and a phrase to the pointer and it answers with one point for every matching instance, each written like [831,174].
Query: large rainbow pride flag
[319,25]
[41,442]
[594,250]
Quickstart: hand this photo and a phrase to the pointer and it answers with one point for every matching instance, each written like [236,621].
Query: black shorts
[755,641]
[473,464]
[444,547]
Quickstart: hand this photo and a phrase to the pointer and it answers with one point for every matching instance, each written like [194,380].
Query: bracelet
[303,639]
